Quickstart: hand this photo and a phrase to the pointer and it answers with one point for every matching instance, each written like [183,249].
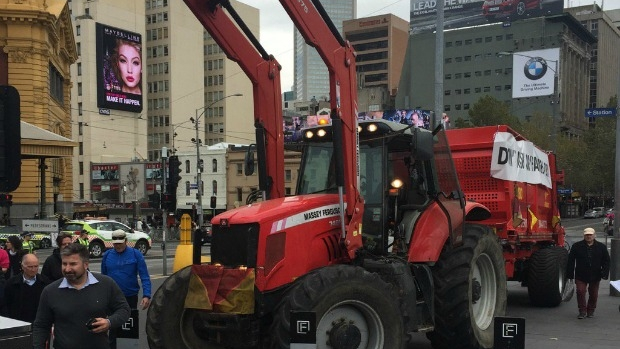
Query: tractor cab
[396,162]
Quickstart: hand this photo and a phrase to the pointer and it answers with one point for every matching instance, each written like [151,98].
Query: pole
[164,260]
[554,105]
[439,43]
[614,270]
[198,175]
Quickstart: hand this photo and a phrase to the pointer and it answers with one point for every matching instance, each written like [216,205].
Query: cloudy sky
[277,29]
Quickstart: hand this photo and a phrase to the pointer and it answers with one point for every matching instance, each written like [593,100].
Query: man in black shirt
[588,263]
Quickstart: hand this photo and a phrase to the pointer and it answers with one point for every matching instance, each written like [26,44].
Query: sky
[276,29]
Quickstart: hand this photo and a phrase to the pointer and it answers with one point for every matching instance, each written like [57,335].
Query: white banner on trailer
[519,161]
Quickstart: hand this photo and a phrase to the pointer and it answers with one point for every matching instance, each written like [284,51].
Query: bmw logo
[535,68]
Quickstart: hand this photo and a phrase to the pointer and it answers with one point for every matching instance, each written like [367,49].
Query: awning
[38,143]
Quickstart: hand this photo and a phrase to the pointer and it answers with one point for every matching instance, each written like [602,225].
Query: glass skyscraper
[311,75]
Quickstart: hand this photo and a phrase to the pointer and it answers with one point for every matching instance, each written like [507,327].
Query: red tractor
[376,243]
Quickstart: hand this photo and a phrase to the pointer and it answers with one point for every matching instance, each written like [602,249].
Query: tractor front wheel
[354,309]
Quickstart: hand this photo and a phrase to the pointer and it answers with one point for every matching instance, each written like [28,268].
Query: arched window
[186,188]
[214,187]
[214,165]
[187,166]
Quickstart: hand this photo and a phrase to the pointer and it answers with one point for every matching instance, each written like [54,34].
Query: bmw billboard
[533,72]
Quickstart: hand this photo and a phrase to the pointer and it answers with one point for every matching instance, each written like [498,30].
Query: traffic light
[213,201]
[174,174]
[169,202]
[10,139]
[154,200]
[6,200]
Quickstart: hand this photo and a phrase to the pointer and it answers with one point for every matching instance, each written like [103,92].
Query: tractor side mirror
[422,144]
[248,168]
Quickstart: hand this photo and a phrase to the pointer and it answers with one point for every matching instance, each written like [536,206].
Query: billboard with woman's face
[119,69]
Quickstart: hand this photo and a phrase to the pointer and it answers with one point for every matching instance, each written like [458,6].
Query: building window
[214,165]
[79,69]
[478,40]
[239,169]
[467,91]
[458,59]
[477,90]
[499,38]
[466,106]
[81,168]
[467,74]
[487,89]
[214,183]
[478,73]
[498,88]
[79,88]
[448,43]
[446,107]
[507,87]
[57,83]
[446,92]
[458,43]
[187,187]
[487,72]
[457,107]
[448,77]
[81,148]
[488,39]
[287,191]
[80,110]
[448,60]
[187,166]
[239,194]
[468,42]
[288,175]
[78,48]
[80,128]
[82,191]
[457,91]
[78,30]
[457,75]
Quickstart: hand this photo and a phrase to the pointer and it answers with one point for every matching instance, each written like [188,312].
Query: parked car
[100,235]
[491,9]
[595,212]
[40,240]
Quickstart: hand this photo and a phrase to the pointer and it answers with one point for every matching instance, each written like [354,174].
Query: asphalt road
[545,328]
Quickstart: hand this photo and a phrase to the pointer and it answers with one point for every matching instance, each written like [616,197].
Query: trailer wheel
[470,291]
[354,309]
[168,324]
[547,276]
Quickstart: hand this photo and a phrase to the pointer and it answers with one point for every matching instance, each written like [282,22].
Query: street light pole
[198,169]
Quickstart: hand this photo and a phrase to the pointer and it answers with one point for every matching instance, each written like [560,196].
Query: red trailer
[498,168]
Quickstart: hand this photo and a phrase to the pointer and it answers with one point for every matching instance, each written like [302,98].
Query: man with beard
[82,306]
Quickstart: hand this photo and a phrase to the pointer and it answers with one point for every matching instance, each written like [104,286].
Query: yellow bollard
[183,255]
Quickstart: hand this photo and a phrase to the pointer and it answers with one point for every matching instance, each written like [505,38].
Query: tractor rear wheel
[546,276]
[470,290]
[354,309]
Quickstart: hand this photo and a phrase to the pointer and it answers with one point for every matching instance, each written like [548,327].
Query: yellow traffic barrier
[184,253]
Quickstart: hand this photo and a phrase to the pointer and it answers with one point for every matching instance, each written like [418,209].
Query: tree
[488,111]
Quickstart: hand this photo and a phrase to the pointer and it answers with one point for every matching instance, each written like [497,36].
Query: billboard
[132,178]
[119,69]
[417,117]
[465,13]
[104,173]
[533,72]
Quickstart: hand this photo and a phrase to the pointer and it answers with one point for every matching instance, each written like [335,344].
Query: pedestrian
[139,225]
[588,263]
[22,291]
[81,306]
[52,268]
[27,243]
[4,269]
[5,219]
[15,251]
[124,264]
[83,239]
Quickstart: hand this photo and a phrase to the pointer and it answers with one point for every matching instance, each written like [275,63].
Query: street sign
[596,112]
[40,225]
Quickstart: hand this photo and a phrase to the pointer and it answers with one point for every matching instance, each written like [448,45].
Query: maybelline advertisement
[119,69]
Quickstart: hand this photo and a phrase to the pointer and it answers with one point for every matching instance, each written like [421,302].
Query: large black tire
[168,324]
[346,299]
[470,291]
[546,276]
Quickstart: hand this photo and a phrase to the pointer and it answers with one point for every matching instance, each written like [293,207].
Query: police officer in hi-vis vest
[83,239]
[27,244]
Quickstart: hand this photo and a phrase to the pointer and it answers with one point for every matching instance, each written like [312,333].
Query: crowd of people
[100,303]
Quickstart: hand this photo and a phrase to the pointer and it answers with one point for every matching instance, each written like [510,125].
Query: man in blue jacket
[123,264]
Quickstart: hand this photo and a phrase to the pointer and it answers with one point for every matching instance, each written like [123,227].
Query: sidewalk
[550,328]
